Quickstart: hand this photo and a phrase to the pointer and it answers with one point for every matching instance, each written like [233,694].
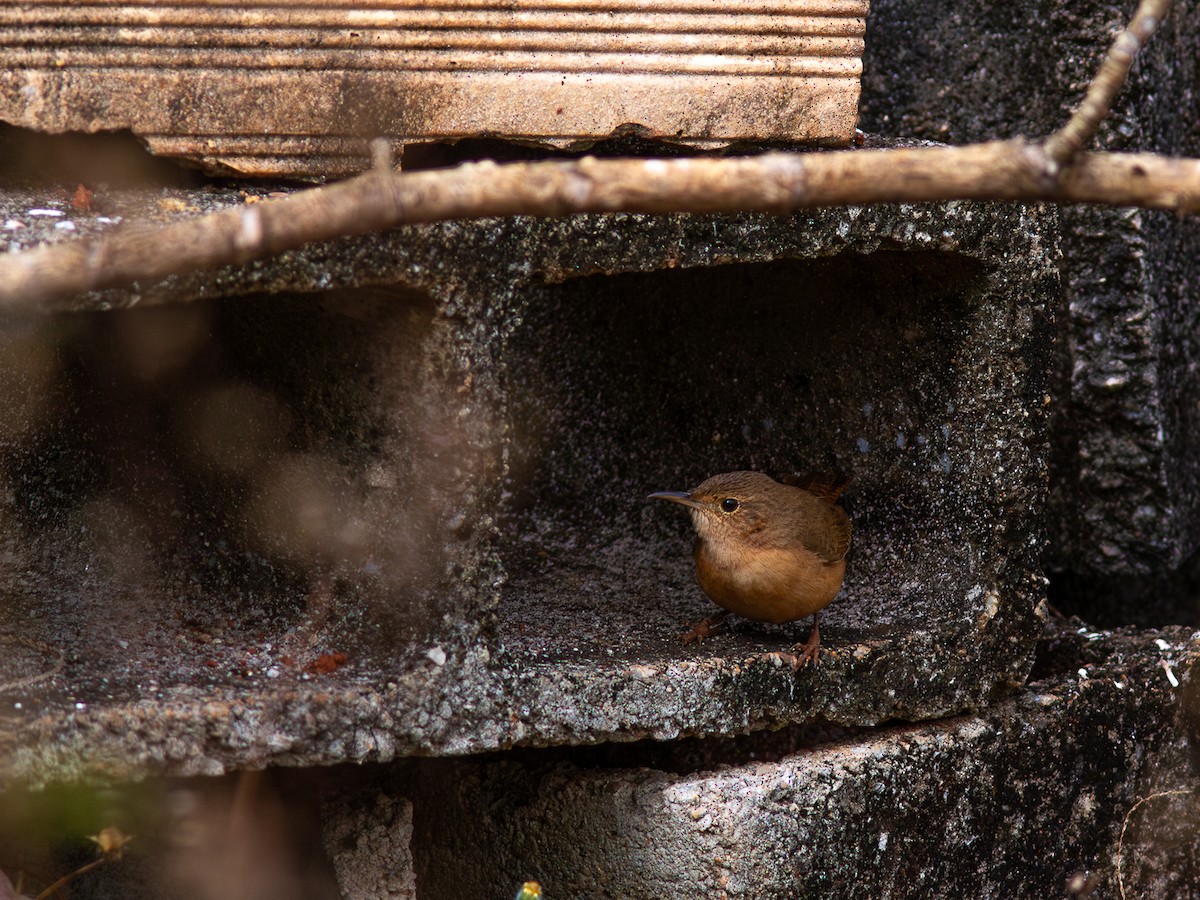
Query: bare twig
[111,842]
[53,670]
[1053,170]
[1062,146]
[68,878]
[1125,824]
[778,183]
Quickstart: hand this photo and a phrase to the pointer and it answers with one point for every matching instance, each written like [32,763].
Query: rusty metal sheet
[256,87]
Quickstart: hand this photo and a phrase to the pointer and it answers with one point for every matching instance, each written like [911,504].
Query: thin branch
[1062,146]
[776,183]
[68,878]
[1125,825]
[1053,170]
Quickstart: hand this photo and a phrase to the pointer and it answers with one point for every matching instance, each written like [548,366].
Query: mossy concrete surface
[385,496]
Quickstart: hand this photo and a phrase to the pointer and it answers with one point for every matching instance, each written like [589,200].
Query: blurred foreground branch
[1016,170]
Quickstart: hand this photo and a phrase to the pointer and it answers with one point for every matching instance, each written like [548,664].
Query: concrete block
[368,839]
[1124,477]
[273,91]
[306,519]
[1082,778]
[1083,781]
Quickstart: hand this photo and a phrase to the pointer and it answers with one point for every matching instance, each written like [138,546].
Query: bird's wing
[825,529]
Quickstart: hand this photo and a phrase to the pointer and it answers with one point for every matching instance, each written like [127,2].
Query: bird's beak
[681,497]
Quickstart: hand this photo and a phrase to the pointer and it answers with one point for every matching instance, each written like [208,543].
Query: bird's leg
[706,628]
[810,650]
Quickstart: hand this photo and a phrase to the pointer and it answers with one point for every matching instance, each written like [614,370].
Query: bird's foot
[809,652]
[705,628]
[797,661]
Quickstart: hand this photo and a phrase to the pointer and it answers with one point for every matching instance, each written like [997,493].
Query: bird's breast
[768,584]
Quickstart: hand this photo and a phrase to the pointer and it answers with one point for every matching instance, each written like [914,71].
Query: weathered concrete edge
[1016,801]
[181,732]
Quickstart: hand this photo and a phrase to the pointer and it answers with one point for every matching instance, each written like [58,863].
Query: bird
[768,550]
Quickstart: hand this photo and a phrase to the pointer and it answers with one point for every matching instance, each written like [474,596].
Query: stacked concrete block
[1125,518]
[381,499]
[1076,785]
[366,522]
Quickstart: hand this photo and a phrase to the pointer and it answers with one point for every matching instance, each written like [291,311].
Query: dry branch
[1062,146]
[1054,170]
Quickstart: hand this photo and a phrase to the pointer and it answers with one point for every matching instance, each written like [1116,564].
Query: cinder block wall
[380,500]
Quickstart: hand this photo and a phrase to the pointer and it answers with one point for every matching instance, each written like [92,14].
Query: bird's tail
[826,485]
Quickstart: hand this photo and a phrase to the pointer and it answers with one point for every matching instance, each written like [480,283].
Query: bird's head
[730,505]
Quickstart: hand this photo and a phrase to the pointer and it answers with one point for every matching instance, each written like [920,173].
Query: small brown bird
[768,551]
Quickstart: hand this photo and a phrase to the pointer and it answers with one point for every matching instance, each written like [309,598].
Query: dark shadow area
[1151,600]
[630,144]
[117,159]
[444,155]
[1068,645]
[220,492]
[626,385]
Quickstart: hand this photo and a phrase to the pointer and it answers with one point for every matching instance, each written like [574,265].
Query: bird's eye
[729,504]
